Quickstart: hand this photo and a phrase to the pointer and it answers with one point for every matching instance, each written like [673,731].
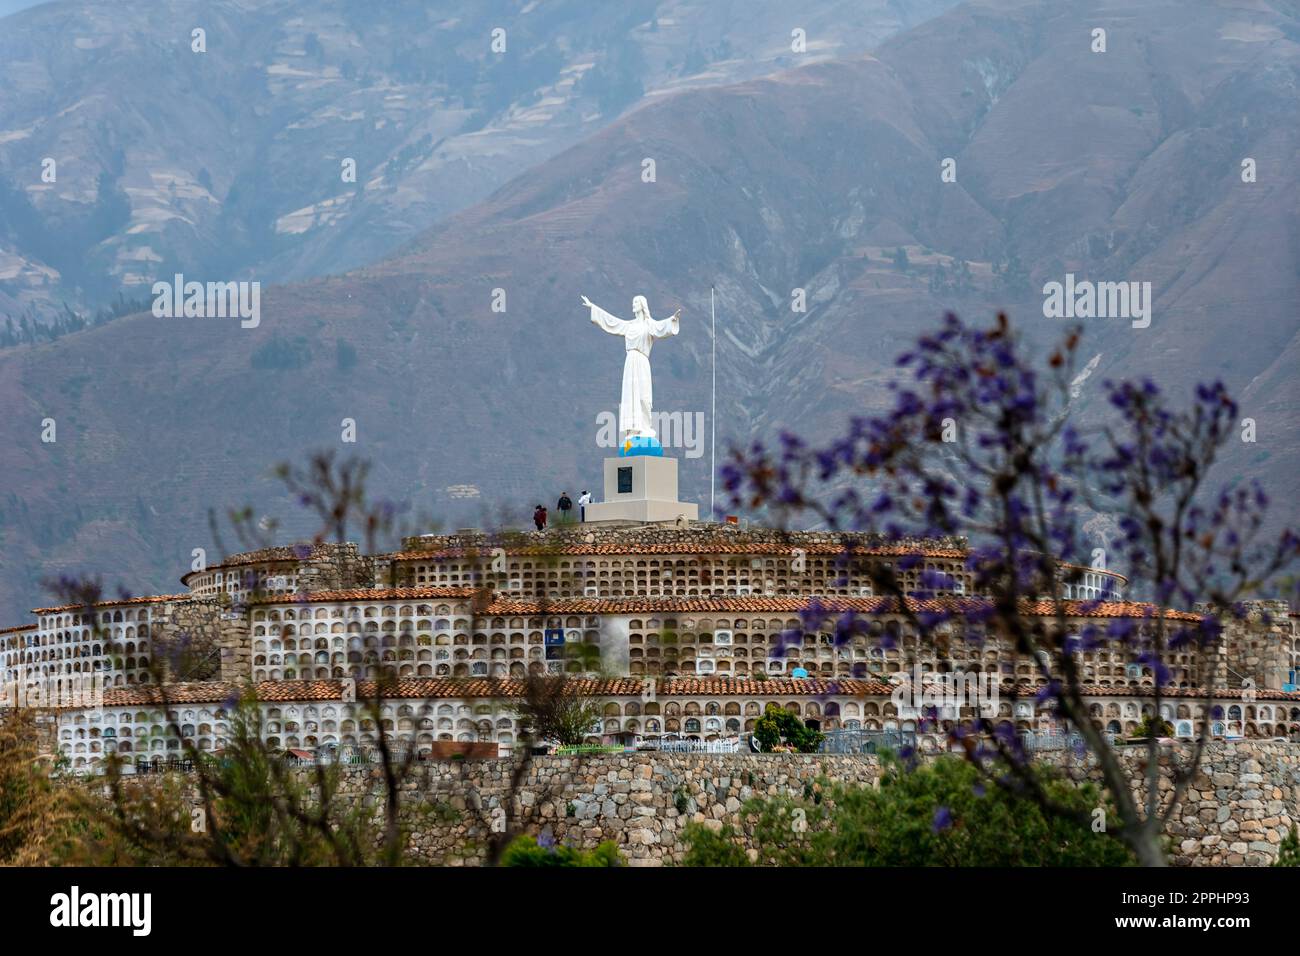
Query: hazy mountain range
[13,6]
[230,161]
[774,177]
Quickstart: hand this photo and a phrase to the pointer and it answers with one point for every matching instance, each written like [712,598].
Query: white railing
[729,745]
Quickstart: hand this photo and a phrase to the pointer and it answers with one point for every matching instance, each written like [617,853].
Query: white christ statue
[639,333]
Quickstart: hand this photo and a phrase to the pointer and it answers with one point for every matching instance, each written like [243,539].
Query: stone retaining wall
[1240,806]
[1235,813]
[641,801]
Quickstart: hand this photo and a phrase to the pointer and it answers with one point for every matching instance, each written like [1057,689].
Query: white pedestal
[643,489]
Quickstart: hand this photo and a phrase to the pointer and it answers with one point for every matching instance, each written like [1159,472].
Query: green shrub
[1152,726]
[279,353]
[1288,852]
[935,815]
[681,799]
[525,851]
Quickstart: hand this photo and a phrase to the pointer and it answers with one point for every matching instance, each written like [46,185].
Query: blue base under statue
[641,446]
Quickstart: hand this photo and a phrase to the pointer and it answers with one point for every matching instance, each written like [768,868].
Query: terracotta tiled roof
[1224,695]
[833,605]
[120,602]
[678,547]
[773,686]
[1136,609]
[20,627]
[460,687]
[697,605]
[433,688]
[191,693]
[366,594]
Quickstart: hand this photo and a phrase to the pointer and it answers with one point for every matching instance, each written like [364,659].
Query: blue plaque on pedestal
[641,446]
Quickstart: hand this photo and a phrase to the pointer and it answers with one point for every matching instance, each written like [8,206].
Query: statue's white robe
[634,411]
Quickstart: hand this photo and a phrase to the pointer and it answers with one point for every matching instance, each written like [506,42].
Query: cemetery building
[679,630]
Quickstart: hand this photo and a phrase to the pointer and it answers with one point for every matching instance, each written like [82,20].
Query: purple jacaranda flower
[847,627]
[785,642]
[1022,481]
[546,839]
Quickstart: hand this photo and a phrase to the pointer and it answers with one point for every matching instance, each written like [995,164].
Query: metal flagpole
[713,413]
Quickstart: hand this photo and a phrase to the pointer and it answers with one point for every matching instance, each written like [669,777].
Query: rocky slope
[228,163]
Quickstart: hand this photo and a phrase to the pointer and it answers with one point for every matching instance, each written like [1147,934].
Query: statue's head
[640,308]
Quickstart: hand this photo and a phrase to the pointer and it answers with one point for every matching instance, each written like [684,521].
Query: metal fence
[163,765]
[1037,742]
[1034,742]
[874,741]
[689,746]
[346,756]
[866,741]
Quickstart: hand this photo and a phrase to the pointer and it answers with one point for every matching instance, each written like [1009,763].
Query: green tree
[253,809]
[552,708]
[34,810]
[780,728]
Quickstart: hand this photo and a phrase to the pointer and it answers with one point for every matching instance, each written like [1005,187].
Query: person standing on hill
[565,505]
[539,518]
[584,499]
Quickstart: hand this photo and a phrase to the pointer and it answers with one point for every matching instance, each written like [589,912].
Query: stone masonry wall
[1236,812]
[200,626]
[641,801]
[1239,807]
[1259,648]
[331,566]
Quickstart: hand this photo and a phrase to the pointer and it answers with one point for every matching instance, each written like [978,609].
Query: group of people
[565,507]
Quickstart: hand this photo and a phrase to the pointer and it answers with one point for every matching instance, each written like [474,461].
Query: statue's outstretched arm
[609,323]
[659,328]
